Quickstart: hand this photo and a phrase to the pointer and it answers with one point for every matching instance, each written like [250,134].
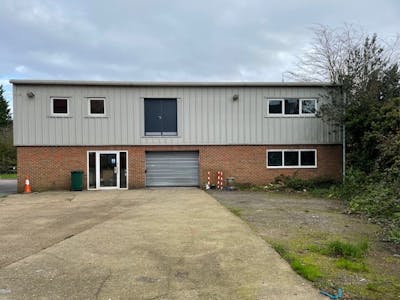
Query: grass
[332,251]
[8,176]
[308,271]
[347,250]
[350,265]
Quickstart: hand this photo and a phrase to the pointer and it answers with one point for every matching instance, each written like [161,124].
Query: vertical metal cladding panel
[178,168]
[206,116]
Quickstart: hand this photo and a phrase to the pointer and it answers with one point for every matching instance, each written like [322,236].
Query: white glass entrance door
[107,170]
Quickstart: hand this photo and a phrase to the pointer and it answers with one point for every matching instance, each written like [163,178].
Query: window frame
[283,113]
[299,166]
[52,113]
[95,115]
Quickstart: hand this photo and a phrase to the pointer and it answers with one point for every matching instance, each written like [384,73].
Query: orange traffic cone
[27,188]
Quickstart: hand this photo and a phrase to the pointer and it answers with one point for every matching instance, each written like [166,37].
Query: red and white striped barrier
[208,180]
[220,180]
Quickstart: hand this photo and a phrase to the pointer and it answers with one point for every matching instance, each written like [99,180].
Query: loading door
[180,168]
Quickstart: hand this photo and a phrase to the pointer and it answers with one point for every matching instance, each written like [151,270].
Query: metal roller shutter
[179,168]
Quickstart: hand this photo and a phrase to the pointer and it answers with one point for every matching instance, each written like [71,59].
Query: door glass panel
[169,121]
[123,171]
[108,170]
[152,117]
[92,170]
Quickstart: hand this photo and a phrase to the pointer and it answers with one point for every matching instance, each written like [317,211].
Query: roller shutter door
[180,168]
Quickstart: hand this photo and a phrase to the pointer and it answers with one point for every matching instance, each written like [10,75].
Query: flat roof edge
[171,83]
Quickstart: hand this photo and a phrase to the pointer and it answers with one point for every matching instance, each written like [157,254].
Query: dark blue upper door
[160,116]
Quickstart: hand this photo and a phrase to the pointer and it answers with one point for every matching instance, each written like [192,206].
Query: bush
[299,184]
[376,196]
[354,184]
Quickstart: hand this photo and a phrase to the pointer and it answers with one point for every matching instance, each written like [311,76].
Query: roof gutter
[170,84]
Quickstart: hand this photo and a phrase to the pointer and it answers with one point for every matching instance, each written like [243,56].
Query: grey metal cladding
[172,168]
[206,115]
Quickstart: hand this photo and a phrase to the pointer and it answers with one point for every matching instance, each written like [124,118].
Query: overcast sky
[171,40]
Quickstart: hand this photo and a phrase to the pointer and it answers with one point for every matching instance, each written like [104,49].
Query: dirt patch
[302,224]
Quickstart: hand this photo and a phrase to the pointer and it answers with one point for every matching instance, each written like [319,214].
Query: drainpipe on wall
[344,139]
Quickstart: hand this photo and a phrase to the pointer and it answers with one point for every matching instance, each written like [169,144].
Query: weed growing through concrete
[235,211]
[307,271]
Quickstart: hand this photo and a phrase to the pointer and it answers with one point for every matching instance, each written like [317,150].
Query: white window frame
[90,114]
[283,114]
[299,166]
[52,113]
[282,108]
[97,159]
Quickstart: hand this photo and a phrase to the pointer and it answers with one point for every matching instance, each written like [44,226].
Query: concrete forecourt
[168,243]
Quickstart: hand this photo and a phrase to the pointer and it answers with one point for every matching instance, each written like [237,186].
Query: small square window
[291,106]
[291,158]
[308,106]
[59,106]
[275,106]
[274,158]
[307,158]
[96,107]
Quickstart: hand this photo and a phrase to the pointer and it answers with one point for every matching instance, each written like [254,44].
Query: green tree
[8,155]
[367,70]
[5,114]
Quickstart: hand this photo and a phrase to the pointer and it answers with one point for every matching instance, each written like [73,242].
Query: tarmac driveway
[8,186]
[139,244]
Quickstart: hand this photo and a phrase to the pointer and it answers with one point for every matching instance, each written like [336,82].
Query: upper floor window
[60,106]
[160,117]
[97,107]
[292,107]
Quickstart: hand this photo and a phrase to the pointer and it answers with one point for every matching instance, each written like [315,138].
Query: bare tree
[333,50]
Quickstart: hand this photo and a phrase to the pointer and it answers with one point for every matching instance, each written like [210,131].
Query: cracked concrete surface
[172,243]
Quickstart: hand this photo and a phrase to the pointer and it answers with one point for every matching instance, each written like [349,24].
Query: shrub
[377,196]
[299,184]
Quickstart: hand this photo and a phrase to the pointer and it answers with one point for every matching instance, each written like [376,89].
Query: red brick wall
[50,167]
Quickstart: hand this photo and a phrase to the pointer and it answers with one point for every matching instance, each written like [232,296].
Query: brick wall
[50,167]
